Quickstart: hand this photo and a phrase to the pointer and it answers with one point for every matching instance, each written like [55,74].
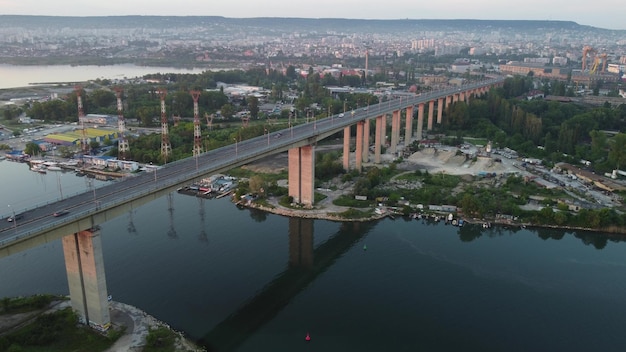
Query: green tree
[257,185]
[617,152]
[253,106]
[598,145]
[227,111]
[32,148]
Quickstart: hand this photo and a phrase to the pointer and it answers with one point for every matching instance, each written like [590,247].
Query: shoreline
[321,214]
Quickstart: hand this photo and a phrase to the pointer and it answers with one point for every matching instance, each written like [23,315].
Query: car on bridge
[56,214]
[341,115]
[15,218]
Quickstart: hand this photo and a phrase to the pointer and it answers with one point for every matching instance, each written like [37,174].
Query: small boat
[55,168]
[38,168]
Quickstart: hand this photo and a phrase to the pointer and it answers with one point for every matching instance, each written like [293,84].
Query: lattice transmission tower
[84,143]
[197,135]
[166,147]
[123,149]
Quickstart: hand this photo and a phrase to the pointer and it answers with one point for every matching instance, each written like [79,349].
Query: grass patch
[27,304]
[318,197]
[160,339]
[410,176]
[348,201]
[56,332]
[269,178]
[263,202]
[355,214]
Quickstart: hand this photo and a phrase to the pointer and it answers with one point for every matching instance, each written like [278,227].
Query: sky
[597,13]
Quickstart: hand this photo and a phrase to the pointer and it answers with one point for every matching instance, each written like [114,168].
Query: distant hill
[291,24]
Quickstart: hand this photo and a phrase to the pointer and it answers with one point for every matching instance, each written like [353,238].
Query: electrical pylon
[122,143]
[197,135]
[84,145]
[166,147]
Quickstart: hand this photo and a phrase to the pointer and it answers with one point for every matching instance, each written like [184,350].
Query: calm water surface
[21,76]
[241,280]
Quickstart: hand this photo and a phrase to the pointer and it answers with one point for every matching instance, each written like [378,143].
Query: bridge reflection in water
[305,265]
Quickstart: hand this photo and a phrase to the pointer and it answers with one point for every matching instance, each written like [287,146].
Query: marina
[216,186]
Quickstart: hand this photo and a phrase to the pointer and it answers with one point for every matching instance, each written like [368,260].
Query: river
[243,280]
[14,76]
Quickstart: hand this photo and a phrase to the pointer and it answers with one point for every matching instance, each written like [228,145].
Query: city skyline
[576,10]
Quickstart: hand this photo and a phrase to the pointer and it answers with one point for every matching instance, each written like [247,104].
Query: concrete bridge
[78,227]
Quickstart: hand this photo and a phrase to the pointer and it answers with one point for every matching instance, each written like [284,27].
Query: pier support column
[346,148]
[455,98]
[383,130]
[408,128]
[431,108]
[377,139]
[301,242]
[462,96]
[420,121]
[84,265]
[366,141]
[359,146]
[302,175]
[439,110]
[395,133]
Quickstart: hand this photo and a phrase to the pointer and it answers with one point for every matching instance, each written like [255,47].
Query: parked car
[60,213]
[341,115]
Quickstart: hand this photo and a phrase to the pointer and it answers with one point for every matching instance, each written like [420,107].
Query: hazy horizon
[599,15]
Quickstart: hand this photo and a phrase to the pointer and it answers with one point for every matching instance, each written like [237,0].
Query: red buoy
[308,337]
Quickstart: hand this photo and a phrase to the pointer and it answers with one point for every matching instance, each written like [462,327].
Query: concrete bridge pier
[408,128]
[366,141]
[455,98]
[395,131]
[431,109]
[383,131]
[420,121]
[302,175]
[301,242]
[346,148]
[359,145]
[84,265]
[439,110]
[378,138]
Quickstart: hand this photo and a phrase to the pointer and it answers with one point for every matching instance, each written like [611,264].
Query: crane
[599,60]
[587,50]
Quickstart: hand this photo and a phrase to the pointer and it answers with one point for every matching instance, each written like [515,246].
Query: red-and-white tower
[197,135]
[166,147]
[122,144]
[84,143]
